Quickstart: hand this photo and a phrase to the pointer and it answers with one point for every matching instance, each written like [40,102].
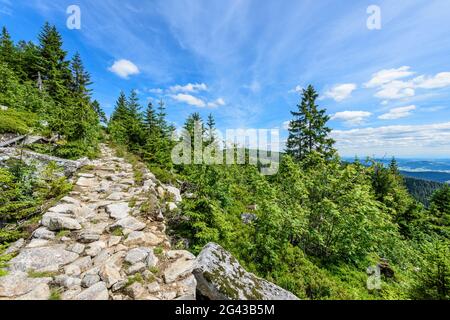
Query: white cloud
[440,80]
[396,90]
[391,88]
[190,87]
[124,68]
[189,99]
[398,113]
[340,92]
[351,117]
[399,140]
[297,89]
[387,75]
[216,103]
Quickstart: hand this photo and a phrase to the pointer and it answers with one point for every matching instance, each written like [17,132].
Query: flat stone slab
[130,223]
[118,210]
[18,284]
[98,291]
[42,259]
[179,269]
[86,182]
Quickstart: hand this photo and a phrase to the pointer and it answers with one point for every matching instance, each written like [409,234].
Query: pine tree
[440,211]
[161,118]
[211,127]
[8,52]
[81,79]
[30,62]
[56,72]
[151,119]
[120,110]
[393,166]
[308,131]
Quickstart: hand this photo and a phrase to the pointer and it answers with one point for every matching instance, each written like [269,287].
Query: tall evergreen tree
[30,62]
[161,116]
[81,79]
[440,211]
[8,51]
[56,72]
[151,119]
[393,166]
[120,110]
[308,131]
[211,127]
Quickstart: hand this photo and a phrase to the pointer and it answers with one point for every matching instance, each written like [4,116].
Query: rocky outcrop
[30,157]
[220,277]
[100,243]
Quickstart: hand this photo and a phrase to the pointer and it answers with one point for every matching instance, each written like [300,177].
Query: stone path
[105,240]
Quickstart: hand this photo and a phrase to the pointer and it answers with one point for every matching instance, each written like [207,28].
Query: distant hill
[436,176]
[422,190]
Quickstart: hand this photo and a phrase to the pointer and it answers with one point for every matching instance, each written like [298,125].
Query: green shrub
[14,121]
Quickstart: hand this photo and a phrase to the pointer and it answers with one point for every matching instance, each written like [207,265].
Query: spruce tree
[30,62]
[151,119]
[81,79]
[7,49]
[211,127]
[120,110]
[308,131]
[56,72]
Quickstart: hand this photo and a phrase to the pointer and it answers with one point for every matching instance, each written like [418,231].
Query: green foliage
[55,294]
[440,211]
[40,274]
[22,193]
[433,276]
[136,278]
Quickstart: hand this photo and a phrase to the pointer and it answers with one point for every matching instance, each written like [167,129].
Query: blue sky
[387,90]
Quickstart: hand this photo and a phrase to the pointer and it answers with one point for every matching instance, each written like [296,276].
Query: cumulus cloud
[440,80]
[396,90]
[217,103]
[399,139]
[387,75]
[340,92]
[398,113]
[190,87]
[391,84]
[124,68]
[189,99]
[351,118]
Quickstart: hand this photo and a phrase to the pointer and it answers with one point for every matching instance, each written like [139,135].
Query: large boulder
[220,277]
[42,259]
[56,221]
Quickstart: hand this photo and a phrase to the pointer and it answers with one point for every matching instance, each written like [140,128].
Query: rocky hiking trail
[105,240]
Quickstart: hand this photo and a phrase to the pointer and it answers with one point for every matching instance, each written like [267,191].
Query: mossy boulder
[220,277]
